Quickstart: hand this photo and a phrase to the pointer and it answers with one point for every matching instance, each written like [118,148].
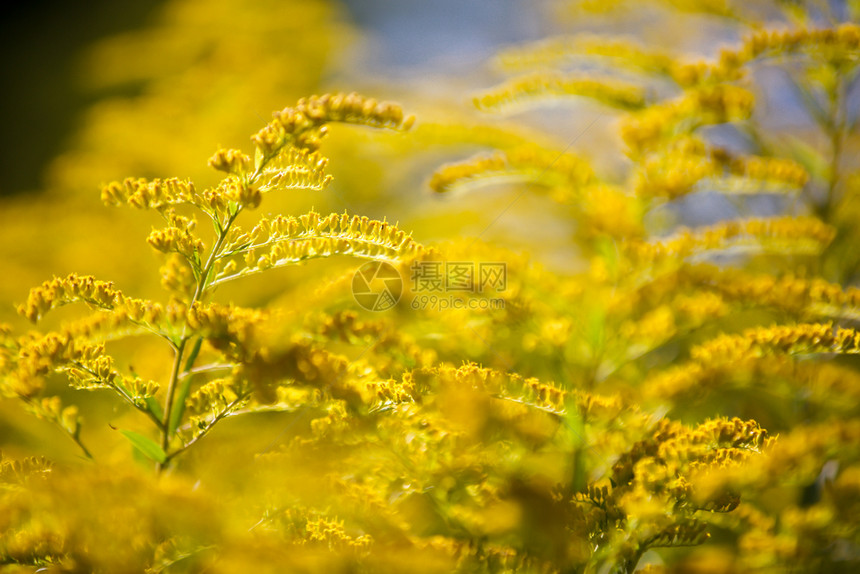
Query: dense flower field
[374,386]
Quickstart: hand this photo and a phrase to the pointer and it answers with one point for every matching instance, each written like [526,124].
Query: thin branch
[122,393]
[72,435]
[205,430]
[214,367]
[247,271]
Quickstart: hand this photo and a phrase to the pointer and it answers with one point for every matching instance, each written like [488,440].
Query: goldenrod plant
[682,398]
[286,157]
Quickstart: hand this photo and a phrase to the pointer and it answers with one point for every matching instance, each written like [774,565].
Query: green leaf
[576,426]
[185,387]
[154,407]
[145,445]
[179,406]
[189,363]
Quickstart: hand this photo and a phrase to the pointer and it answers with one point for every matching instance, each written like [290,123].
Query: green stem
[176,371]
[214,367]
[72,435]
[203,282]
[83,448]
[835,129]
[171,391]
[81,445]
[224,413]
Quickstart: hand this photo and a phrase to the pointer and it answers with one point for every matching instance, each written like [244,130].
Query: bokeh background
[150,89]
[47,44]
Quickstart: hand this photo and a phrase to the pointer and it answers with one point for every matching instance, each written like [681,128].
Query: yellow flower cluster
[58,292]
[769,169]
[337,420]
[104,325]
[698,307]
[661,463]
[840,43]
[332,534]
[295,168]
[821,456]
[672,440]
[160,194]
[650,497]
[826,386]
[212,401]
[766,351]
[235,191]
[286,239]
[832,386]
[155,194]
[99,373]
[177,276]
[93,372]
[299,363]
[687,534]
[347,326]
[677,170]
[232,161]
[532,163]
[696,107]
[802,450]
[802,296]
[41,355]
[557,50]
[17,471]
[611,93]
[87,366]
[656,325]
[496,557]
[389,343]
[529,391]
[610,210]
[51,409]
[177,237]
[800,339]
[721,8]
[303,126]
[355,109]
[779,234]
[229,322]
[675,173]
[149,313]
